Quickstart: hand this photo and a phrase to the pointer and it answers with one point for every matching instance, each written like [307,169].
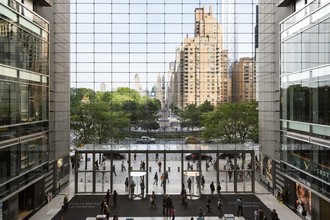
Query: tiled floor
[50,209]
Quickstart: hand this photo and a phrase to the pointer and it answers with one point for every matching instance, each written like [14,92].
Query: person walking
[219,189]
[184,198]
[203,182]
[116,216]
[200,213]
[132,186]
[103,203]
[219,206]
[155,179]
[159,166]
[65,202]
[164,204]
[142,187]
[157,157]
[114,169]
[134,156]
[189,184]
[208,204]
[153,199]
[274,215]
[166,177]
[123,168]
[212,188]
[107,196]
[239,204]
[126,184]
[173,212]
[169,204]
[114,198]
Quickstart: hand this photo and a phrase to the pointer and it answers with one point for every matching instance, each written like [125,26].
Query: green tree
[232,123]
[97,123]
[148,114]
[191,115]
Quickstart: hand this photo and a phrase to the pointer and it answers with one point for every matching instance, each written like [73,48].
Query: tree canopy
[232,123]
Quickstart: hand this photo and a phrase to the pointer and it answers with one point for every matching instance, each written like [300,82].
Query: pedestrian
[153,199]
[189,184]
[303,212]
[208,204]
[134,156]
[103,159]
[159,166]
[166,177]
[116,216]
[219,189]
[132,187]
[164,204]
[183,197]
[114,198]
[126,184]
[169,204]
[155,179]
[96,165]
[157,157]
[203,182]
[123,168]
[256,214]
[239,204]
[142,187]
[173,212]
[162,178]
[107,196]
[107,211]
[114,169]
[261,214]
[103,203]
[200,213]
[188,165]
[212,188]
[207,166]
[219,206]
[65,202]
[274,215]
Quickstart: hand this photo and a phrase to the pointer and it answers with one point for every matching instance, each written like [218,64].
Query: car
[115,155]
[227,155]
[195,156]
[191,140]
[146,140]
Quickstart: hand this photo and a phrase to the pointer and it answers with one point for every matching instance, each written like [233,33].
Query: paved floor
[52,208]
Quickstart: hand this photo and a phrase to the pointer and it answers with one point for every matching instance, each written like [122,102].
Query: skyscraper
[244,80]
[203,63]
[35,104]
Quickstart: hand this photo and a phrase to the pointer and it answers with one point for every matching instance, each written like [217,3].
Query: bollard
[178,169]
[169,169]
[149,169]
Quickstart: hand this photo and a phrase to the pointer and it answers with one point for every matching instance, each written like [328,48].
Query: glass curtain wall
[150,78]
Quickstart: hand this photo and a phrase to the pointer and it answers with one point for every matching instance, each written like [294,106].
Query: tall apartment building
[34,104]
[202,64]
[293,87]
[244,80]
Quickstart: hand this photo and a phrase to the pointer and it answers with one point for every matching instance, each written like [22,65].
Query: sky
[112,41]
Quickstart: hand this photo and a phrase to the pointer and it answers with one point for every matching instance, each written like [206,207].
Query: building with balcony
[294,106]
[203,64]
[35,104]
